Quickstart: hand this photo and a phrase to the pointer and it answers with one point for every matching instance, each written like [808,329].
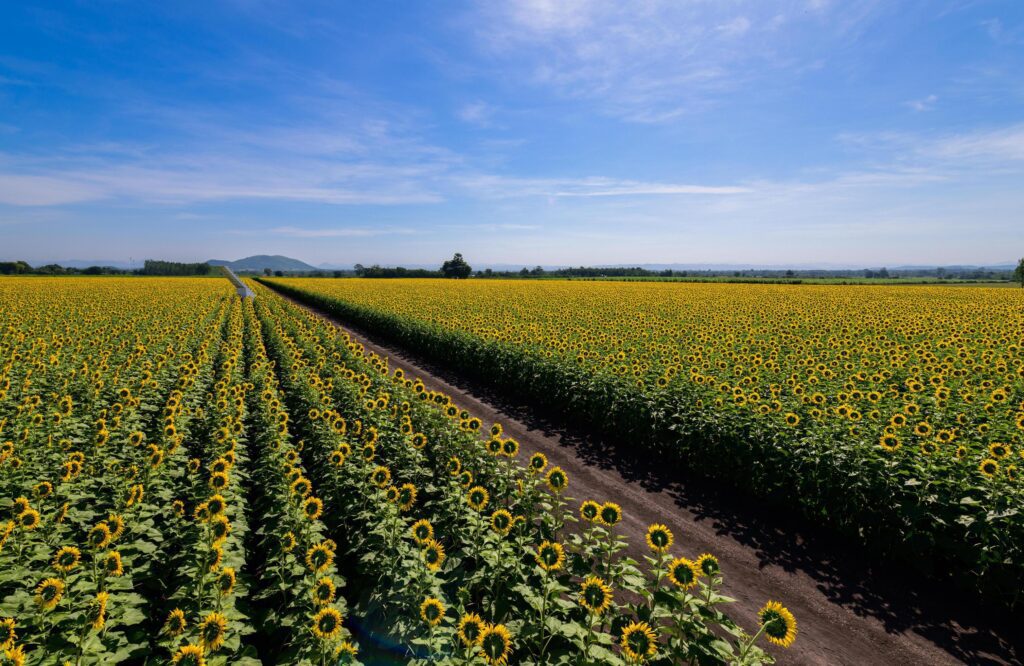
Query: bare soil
[848,610]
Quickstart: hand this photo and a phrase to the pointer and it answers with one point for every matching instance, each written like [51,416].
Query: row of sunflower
[893,415]
[301,611]
[458,552]
[100,392]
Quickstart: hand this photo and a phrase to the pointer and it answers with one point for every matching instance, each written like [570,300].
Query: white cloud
[924,104]
[736,27]
[26,190]
[476,113]
[343,232]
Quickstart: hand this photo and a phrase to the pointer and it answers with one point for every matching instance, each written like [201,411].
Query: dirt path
[848,612]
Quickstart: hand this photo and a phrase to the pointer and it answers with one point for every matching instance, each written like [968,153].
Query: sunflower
[495,644]
[43,489]
[419,440]
[708,563]
[595,595]
[212,631]
[432,611]
[510,448]
[538,461]
[98,610]
[381,477]
[327,623]
[778,623]
[659,538]
[175,623]
[989,467]
[391,494]
[470,627]
[454,466]
[792,419]
[190,655]
[422,531]
[21,505]
[15,656]
[998,450]
[226,580]
[116,524]
[406,497]
[610,514]
[683,573]
[112,564]
[288,542]
[502,522]
[433,554]
[313,507]
[216,505]
[49,593]
[220,527]
[589,510]
[929,448]
[7,633]
[557,479]
[66,559]
[323,592]
[889,442]
[219,481]
[319,557]
[29,519]
[477,497]
[494,446]
[550,556]
[639,641]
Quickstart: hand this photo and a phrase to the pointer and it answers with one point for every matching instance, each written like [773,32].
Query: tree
[267,272]
[456,267]
[278,273]
[1018,273]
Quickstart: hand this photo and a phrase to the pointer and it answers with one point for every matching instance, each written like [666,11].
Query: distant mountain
[260,261]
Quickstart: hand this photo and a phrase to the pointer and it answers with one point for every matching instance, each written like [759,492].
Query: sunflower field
[894,415]
[190,478]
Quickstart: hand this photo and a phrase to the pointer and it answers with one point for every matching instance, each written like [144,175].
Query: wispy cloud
[655,61]
[476,113]
[341,232]
[923,104]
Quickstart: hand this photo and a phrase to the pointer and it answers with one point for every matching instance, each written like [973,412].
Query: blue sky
[771,132]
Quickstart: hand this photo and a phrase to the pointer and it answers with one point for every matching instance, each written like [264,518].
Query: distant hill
[260,261]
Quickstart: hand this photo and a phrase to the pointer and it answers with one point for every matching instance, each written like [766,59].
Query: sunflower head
[323,592]
[659,538]
[510,448]
[406,497]
[422,531]
[988,467]
[495,644]
[175,623]
[319,557]
[683,573]
[470,627]
[502,522]
[432,611]
[538,461]
[190,655]
[226,580]
[708,564]
[433,555]
[557,479]
[312,507]
[212,631]
[112,564]
[100,536]
[639,641]
[477,497]
[610,514]
[589,510]
[66,559]
[327,623]
[595,595]
[381,477]
[49,593]
[779,624]
[550,556]
[7,633]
